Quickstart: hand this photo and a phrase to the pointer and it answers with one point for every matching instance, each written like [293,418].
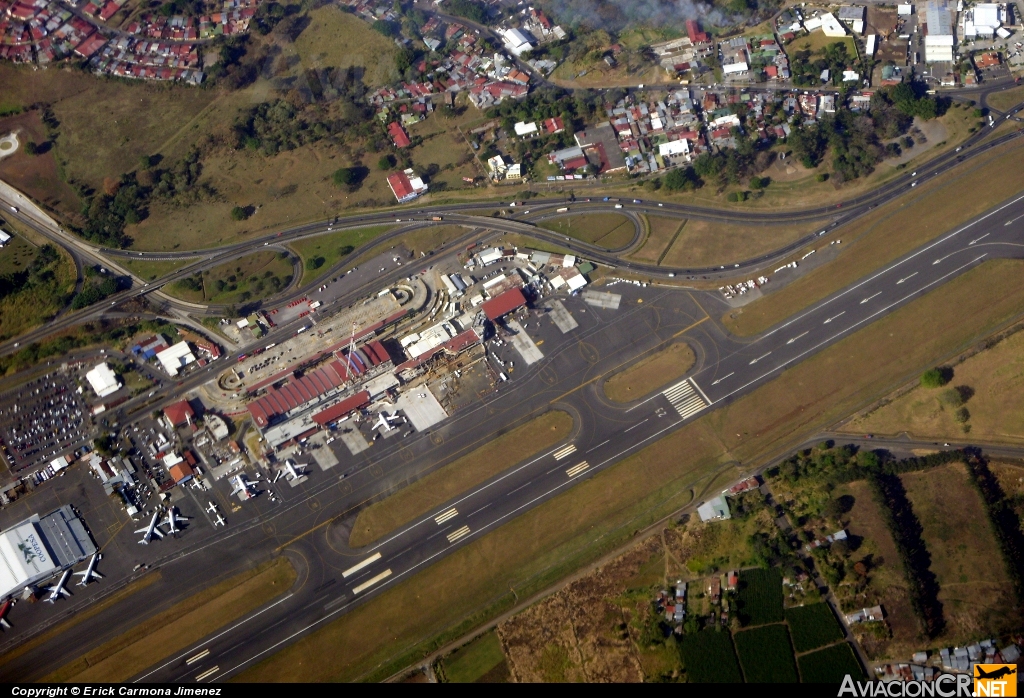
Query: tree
[146,162]
[345,176]
[386,162]
[314,263]
[681,178]
[31,148]
[239,213]
[935,377]
[384,27]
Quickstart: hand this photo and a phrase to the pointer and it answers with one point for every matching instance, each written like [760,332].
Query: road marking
[450,514]
[565,452]
[834,317]
[599,445]
[870,297]
[455,535]
[635,425]
[1010,221]
[370,582]
[984,236]
[208,673]
[798,337]
[480,509]
[577,469]
[758,358]
[697,387]
[522,486]
[368,561]
[196,658]
[906,278]
[722,378]
[684,399]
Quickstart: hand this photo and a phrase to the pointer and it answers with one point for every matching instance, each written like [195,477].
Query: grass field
[817,40]
[709,657]
[480,661]
[653,372]
[759,597]
[1006,98]
[974,588]
[608,230]
[498,454]
[888,233]
[178,627]
[707,243]
[813,626]
[421,240]
[341,39]
[546,543]
[150,270]
[662,231]
[256,276]
[996,377]
[40,299]
[766,655]
[830,665]
[332,248]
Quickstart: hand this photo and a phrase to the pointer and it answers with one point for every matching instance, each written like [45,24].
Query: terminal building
[41,547]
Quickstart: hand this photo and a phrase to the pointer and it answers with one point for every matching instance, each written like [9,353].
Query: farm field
[708,243]
[709,657]
[258,275]
[995,376]
[974,588]
[330,249]
[813,626]
[759,597]
[830,665]
[662,232]
[608,230]
[497,453]
[766,654]
[653,372]
[480,661]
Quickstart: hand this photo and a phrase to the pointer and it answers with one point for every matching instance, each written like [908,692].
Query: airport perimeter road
[570,378]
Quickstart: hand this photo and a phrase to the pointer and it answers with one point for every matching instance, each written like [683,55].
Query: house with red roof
[398,135]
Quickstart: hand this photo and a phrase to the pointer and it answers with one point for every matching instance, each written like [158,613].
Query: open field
[653,372]
[710,658]
[608,230]
[332,247]
[662,231]
[830,665]
[1007,98]
[422,240]
[341,39]
[255,276]
[813,626]
[178,627]
[974,588]
[888,233]
[602,512]
[766,655]
[707,243]
[817,40]
[36,175]
[480,661]
[44,295]
[497,454]
[150,270]
[996,377]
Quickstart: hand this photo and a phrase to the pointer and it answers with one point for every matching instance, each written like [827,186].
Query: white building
[517,41]
[716,509]
[938,48]
[831,26]
[4,238]
[39,548]
[103,380]
[735,69]
[176,357]
[680,147]
[904,10]
[525,129]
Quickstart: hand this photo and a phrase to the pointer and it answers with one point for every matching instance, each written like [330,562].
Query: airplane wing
[157,532]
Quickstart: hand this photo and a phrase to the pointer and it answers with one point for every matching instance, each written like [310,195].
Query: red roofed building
[343,408]
[91,45]
[398,135]
[554,125]
[502,305]
[179,413]
[109,10]
[693,31]
[574,164]
[181,472]
[406,186]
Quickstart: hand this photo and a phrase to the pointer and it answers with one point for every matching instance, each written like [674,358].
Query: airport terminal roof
[502,305]
[342,408]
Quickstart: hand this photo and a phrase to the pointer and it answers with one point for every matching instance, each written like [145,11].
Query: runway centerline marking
[480,509]
[519,488]
[636,425]
[870,297]
[598,446]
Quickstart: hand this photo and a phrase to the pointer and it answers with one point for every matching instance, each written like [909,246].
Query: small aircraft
[384,421]
[3,613]
[90,572]
[151,530]
[173,520]
[220,521]
[212,508]
[56,591]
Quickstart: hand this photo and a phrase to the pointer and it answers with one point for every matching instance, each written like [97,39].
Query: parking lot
[42,420]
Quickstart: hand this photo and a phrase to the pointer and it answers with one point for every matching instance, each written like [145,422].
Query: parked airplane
[3,613]
[384,421]
[219,521]
[56,591]
[243,486]
[212,508]
[151,530]
[295,470]
[90,572]
[173,520]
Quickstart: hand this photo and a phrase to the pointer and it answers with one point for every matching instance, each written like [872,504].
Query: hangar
[40,547]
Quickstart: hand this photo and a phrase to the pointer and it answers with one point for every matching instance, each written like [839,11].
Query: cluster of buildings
[924,666]
[152,60]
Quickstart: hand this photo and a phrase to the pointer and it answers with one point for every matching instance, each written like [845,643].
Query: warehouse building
[41,547]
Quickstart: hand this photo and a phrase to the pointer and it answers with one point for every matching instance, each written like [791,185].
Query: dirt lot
[655,371]
[996,378]
[975,591]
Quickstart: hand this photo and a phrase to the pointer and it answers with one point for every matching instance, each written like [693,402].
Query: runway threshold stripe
[455,535]
[368,561]
[370,582]
[565,452]
[577,469]
[208,673]
[196,658]
[450,514]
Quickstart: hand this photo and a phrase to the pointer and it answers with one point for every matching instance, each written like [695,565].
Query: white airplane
[219,521]
[241,485]
[295,470]
[173,520]
[384,421]
[90,572]
[56,591]
[212,508]
[151,530]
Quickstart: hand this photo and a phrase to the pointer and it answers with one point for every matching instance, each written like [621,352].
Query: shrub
[951,398]
[31,148]
[345,176]
[822,177]
[314,263]
[240,213]
[961,415]
[935,377]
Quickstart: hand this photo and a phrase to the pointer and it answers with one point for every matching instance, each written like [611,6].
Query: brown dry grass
[661,232]
[599,513]
[653,372]
[974,589]
[609,230]
[995,375]
[707,243]
[497,455]
[178,627]
[890,232]
[36,175]
[341,39]
[1006,98]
